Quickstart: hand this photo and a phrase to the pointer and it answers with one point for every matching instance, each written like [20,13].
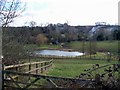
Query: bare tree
[32,23]
[10,9]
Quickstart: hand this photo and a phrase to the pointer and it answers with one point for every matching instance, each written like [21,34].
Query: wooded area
[15,38]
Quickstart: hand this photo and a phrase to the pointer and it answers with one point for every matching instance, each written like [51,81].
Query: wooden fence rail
[38,67]
[33,67]
[27,68]
[13,71]
[50,79]
[58,82]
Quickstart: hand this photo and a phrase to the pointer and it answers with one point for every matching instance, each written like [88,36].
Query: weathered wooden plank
[14,77]
[52,82]
[25,83]
[25,64]
[38,68]
[98,68]
[42,76]
[14,81]
[31,83]
[11,68]
[30,71]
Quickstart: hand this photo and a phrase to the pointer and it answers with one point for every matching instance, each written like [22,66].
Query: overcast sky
[75,12]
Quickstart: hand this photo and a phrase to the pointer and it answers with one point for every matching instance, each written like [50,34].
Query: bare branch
[10,9]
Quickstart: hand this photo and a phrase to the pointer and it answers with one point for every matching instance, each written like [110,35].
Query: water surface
[58,53]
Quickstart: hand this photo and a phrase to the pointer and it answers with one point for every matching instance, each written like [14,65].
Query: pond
[58,53]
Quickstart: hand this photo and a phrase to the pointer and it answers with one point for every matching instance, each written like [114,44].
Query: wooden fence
[33,67]
[26,75]
[89,79]
[49,79]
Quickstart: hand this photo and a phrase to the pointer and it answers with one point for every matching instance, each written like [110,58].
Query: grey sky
[76,12]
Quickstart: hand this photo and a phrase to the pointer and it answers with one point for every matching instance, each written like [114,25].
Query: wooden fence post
[45,63]
[50,63]
[16,68]
[29,70]
[41,68]
[29,67]
[37,68]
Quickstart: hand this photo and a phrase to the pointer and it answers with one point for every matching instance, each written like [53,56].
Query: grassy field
[111,46]
[72,68]
[43,46]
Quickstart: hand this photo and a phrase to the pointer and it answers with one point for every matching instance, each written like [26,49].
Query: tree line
[14,38]
[54,34]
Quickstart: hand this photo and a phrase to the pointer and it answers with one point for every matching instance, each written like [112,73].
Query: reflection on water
[58,53]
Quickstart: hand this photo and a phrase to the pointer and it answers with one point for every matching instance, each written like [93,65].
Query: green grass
[42,46]
[111,46]
[72,68]
[48,46]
